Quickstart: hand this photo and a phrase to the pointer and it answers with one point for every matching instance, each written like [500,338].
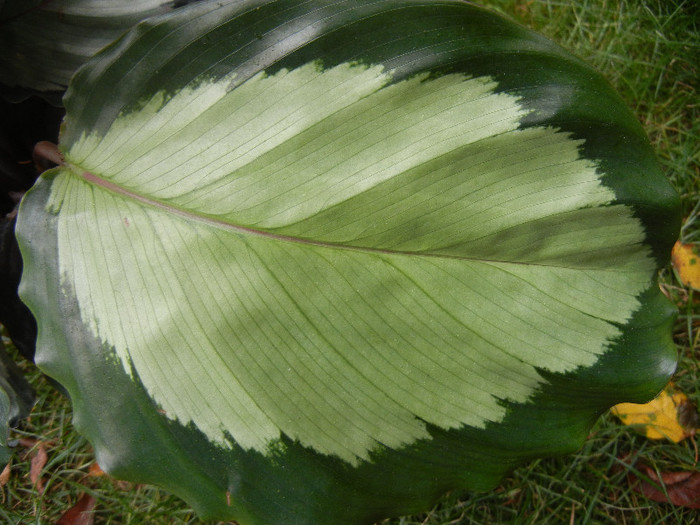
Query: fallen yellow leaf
[687,263]
[95,471]
[658,419]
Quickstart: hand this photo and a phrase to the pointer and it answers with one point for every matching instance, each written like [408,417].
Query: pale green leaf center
[342,259]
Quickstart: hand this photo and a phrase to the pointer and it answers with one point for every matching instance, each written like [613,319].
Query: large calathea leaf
[319,262]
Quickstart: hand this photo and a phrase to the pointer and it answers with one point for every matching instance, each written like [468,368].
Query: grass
[648,51]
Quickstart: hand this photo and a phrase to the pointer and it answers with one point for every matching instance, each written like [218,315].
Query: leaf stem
[46,155]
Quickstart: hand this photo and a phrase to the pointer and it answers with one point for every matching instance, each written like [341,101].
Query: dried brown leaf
[27,442]
[679,488]
[5,475]
[81,513]
[37,466]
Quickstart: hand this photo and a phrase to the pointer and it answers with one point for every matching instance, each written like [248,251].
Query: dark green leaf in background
[16,400]
[42,43]
[319,262]
[21,127]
